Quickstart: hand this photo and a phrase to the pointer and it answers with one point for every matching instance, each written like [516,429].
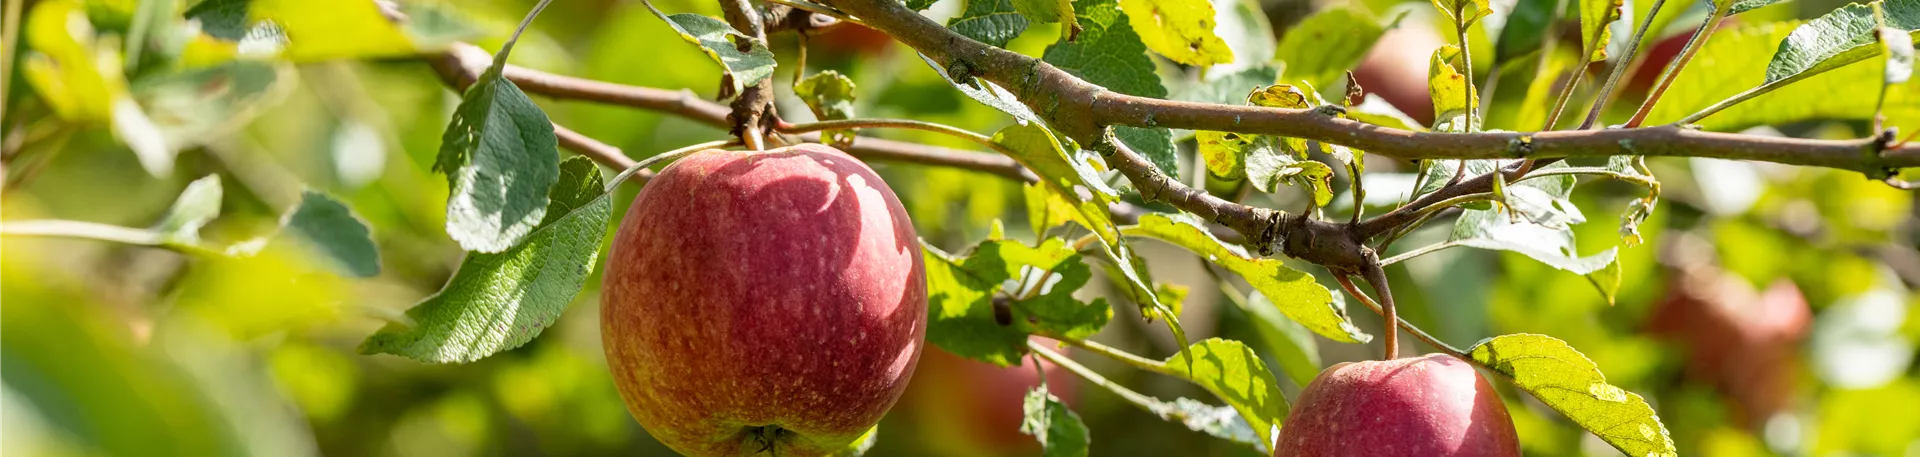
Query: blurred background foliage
[1771,310]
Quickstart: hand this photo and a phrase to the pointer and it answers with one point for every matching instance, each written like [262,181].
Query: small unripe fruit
[1435,406]
[763,302]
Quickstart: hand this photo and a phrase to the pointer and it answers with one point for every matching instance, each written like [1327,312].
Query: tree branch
[461,64]
[1078,108]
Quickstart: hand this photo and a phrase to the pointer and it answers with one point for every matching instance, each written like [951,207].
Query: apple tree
[1087,227]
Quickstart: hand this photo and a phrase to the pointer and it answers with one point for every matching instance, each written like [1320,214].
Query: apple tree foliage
[164,78]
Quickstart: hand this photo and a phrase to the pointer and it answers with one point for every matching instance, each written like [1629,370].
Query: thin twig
[1672,72]
[1128,358]
[54,228]
[1408,326]
[1620,66]
[1424,250]
[462,63]
[1145,402]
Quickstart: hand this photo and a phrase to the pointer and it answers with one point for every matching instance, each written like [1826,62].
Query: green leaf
[1740,54]
[435,25]
[497,302]
[1047,209]
[80,78]
[1243,25]
[1742,6]
[334,30]
[1051,11]
[987,93]
[992,22]
[1607,281]
[203,104]
[1595,17]
[830,96]
[330,228]
[1295,293]
[740,68]
[1449,90]
[1059,430]
[1044,11]
[1536,220]
[1542,80]
[1841,37]
[1228,88]
[1565,380]
[1525,27]
[1074,181]
[196,206]
[1491,229]
[918,5]
[1268,166]
[1154,143]
[500,157]
[1110,54]
[1182,30]
[1324,46]
[972,313]
[1232,371]
[223,19]
[1220,421]
[305,31]
[1288,342]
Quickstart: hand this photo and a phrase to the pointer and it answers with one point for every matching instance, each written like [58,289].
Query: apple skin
[1435,405]
[763,301]
[1743,342]
[1396,69]
[855,40]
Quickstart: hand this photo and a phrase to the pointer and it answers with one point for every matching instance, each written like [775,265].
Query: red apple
[1431,406]
[970,408]
[1396,69]
[853,39]
[763,301]
[1743,342]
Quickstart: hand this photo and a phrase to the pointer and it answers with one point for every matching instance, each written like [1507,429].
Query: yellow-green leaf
[1295,293]
[79,78]
[1050,11]
[1232,371]
[1566,381]
[1182,30]
[1046,209]
[972,313]
[1033,146]
[830,96]
[1595,16]
[1223,151]
[1059,430]
[1449,90]
[1741,56]
[333,30]
[1325,45]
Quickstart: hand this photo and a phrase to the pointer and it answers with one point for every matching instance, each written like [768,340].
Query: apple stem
[1347,284]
